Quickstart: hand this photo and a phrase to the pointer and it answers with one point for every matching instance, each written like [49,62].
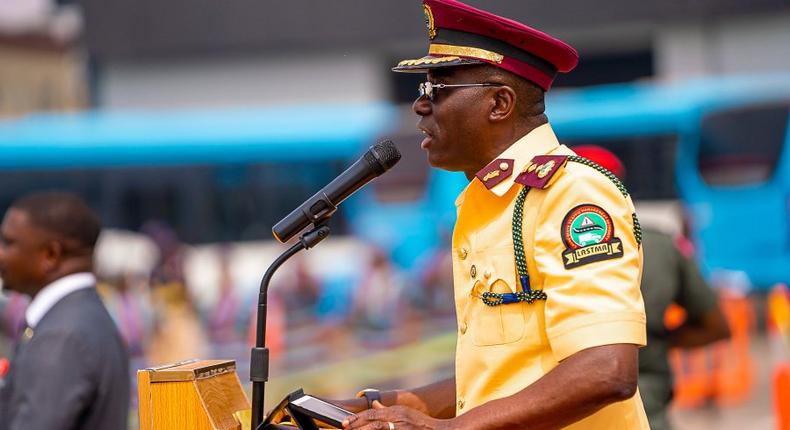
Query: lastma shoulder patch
[588,235]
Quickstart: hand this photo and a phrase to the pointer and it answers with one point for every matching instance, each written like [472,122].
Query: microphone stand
[259,358]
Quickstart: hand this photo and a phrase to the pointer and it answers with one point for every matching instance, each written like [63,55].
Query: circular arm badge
[588,235]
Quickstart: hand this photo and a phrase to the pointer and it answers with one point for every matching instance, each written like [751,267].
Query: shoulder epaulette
[541,171]
[495,172]
[612,177]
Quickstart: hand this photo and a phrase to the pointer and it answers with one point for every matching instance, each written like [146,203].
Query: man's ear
[504,104]
[53,255]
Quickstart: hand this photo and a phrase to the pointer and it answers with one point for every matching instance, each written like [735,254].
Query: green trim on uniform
[527,294]
[612,177]
[637,229]
[618,183]
[518,240]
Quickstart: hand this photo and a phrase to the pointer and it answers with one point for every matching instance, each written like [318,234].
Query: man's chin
[438,163]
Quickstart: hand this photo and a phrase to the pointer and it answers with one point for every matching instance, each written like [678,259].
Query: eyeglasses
[429,89]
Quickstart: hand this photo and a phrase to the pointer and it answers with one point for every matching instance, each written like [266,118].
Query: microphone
[377,160]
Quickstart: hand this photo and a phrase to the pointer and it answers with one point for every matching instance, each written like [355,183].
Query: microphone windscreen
[386,153]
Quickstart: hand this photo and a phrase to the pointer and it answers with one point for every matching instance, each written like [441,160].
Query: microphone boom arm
[259,356]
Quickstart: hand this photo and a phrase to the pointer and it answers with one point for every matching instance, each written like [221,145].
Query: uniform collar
[53,293]
[499,174]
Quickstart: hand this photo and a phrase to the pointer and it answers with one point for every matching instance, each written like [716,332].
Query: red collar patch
[540,170]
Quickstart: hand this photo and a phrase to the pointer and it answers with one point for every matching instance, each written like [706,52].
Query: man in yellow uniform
[546,247]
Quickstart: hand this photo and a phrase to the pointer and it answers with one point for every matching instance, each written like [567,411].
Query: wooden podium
[192,395]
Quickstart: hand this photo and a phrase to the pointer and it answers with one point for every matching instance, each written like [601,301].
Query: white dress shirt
[54,292]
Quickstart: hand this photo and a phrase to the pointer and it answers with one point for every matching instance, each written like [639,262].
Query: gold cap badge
[429,21]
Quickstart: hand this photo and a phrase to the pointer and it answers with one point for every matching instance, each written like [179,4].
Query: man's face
[23,253]
[454,123]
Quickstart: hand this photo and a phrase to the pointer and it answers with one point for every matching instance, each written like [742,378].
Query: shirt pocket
[502,324]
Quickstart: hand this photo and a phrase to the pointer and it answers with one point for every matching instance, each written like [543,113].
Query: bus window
[650,158]
[742,146]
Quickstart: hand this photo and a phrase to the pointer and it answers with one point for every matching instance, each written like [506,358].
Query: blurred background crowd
[192,126]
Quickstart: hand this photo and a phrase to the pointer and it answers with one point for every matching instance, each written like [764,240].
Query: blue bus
[731,162]
[214,175]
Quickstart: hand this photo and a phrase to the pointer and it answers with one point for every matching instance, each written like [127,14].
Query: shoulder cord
[616,181]
[527,294]
[611,176]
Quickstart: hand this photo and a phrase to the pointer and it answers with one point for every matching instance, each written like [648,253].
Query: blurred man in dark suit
[70,368]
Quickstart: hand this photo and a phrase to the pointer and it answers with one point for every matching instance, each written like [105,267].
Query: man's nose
[422,106]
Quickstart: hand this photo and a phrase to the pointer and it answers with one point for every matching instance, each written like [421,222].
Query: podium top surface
[190,370]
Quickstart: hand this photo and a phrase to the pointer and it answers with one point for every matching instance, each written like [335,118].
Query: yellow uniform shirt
[580,236]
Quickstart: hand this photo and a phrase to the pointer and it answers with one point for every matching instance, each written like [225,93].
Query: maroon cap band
[462,38]
[461,35]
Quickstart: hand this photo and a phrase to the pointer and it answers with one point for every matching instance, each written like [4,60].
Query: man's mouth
[427,139]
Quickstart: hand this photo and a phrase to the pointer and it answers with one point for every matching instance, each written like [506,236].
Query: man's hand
[393,418]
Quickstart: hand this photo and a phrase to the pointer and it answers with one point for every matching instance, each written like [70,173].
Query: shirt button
[462,253]
[461,404]
[463,328]
[503,166]
[487,274]
[473,271]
